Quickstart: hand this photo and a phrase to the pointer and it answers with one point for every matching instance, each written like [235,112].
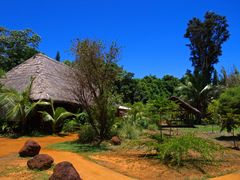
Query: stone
[30,148]
[40,162]
[116,140]
[65,171]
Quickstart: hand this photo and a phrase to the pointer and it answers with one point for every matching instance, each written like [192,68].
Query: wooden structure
[186,113]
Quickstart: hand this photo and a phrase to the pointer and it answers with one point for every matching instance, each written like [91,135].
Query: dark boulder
[65,171]
[40,162]
[30,148]
[116,140]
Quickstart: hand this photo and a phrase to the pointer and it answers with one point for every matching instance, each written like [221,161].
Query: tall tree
[206,39]
[58,57]
[97,74]
[16,47]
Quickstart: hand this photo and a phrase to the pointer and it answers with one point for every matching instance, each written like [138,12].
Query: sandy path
[234,176]
[87,169]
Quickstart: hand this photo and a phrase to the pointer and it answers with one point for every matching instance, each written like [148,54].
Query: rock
[65,171]
[40,162]
[30,148]
[116,140]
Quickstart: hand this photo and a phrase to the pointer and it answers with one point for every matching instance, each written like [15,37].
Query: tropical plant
[56,117]
[176,150]
[73,125]
[197,94]
[17,107]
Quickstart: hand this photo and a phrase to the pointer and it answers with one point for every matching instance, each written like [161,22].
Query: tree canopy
[16,47]
[206,39]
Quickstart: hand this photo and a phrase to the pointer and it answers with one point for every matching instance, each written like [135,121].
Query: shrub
[71,126]
[176,150]
[86,134]
[129,131]
[153,127]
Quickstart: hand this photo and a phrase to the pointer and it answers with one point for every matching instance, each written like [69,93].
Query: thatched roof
[185,105]
[51,79]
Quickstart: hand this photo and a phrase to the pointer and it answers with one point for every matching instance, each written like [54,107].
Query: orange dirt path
[234,176]
[86,168]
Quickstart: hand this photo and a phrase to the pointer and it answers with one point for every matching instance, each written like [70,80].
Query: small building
[50,80]
[122,111]
[187,113]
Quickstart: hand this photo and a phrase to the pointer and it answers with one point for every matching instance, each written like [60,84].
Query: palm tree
[197,93]
[17,106]
[57,116]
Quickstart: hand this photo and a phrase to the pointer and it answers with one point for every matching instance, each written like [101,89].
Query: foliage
[230,80]
[229,101]
[176,150]
[131,125]
[206,39]
[196,93]
[229,110]
[129,130]
[163,109]
[73,125]
[230,121]
[145,89]
[16,47]
[127,87]
[87,134]
[56,117]
[2,72]
[16,108]
[96,78]
[68,63]
[213,117]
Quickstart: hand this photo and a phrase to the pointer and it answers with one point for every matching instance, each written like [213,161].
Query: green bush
[71,126]
[176,150]
[86,134]
[129,131]
[153,127]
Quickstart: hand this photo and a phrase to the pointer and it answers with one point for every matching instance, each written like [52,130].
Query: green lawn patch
[76,147]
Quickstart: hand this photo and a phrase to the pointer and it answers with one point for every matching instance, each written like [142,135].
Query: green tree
[170,83]
[16,47]
[229,109]
[127,86]
[96,77]
[206,39]
[58,56]
[213,117]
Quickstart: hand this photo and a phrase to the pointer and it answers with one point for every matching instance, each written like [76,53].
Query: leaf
[46,116]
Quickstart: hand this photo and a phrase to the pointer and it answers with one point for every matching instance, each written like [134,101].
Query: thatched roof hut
[50,79]
[186,106]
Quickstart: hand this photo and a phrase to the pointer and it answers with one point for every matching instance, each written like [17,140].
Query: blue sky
[150,32]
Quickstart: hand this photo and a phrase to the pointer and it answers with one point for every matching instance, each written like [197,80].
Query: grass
[205,129]
[17,171]
[76,147]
